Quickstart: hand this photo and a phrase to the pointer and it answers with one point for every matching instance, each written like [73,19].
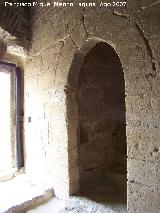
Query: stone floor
[19,195]
[79,205]
[98,200]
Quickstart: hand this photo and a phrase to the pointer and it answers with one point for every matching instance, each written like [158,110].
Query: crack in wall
[56,67]
[84,25]
[144,8]
[145,39]
[71,37]
[74,42]
[38,53]
[149,51]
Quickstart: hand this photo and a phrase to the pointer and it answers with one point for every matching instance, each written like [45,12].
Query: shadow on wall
[99,124]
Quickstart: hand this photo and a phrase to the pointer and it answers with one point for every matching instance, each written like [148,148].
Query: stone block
[142,199]
[143,172]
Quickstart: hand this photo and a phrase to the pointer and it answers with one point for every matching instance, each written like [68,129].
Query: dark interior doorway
[102,149]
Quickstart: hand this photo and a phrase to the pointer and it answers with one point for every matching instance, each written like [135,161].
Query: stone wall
[58,32]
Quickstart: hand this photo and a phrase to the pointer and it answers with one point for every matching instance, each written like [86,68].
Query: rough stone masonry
[58,85]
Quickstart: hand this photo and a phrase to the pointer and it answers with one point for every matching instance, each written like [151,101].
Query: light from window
[5,122]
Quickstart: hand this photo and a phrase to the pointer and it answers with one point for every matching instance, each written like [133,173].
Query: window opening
[11,120]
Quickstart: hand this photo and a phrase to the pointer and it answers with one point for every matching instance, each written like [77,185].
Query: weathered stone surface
[53,48]
[149,21]
[149,199]
[52,111]
[133,7]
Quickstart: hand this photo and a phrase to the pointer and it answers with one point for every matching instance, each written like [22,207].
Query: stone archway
[97,121]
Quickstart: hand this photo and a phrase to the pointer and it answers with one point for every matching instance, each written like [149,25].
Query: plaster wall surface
[58,32]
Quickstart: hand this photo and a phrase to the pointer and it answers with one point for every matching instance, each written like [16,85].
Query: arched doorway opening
[101,123]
